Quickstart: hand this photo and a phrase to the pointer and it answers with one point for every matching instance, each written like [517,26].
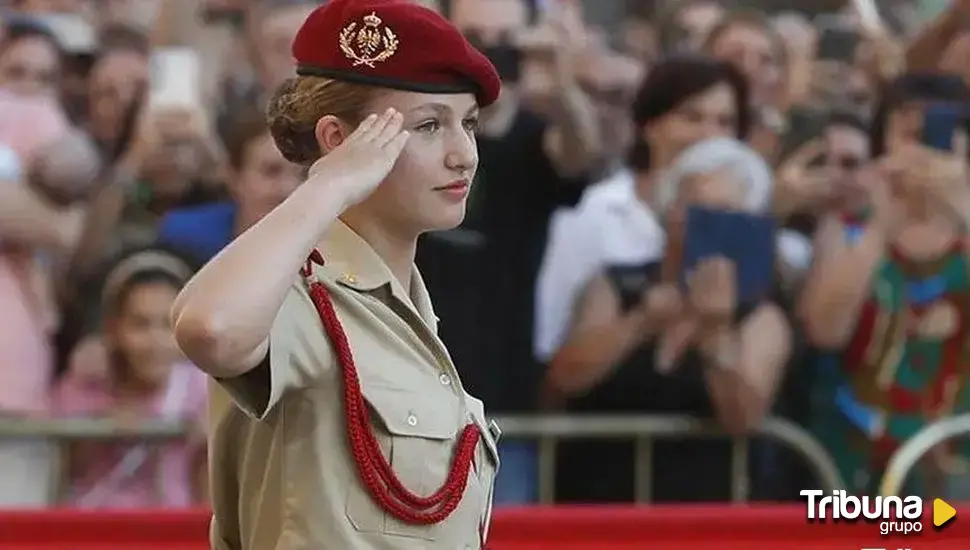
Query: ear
[330,132]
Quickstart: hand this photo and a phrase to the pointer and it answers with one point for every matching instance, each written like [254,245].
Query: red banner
[573,528]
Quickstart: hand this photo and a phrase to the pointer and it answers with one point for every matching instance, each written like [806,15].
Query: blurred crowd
[133,147]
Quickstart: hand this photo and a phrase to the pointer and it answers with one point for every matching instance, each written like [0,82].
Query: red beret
[395,44]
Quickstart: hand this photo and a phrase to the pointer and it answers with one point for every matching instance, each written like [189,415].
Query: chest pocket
[417,432]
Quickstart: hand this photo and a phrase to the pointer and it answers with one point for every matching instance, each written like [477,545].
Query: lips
[453,186]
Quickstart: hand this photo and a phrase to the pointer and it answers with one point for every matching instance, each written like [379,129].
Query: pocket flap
[410,413]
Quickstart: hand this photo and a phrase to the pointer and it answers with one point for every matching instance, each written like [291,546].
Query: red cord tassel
[373,468]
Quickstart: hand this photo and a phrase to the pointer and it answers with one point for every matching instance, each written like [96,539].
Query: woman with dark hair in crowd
[633,342]
[887,295]
[30,58]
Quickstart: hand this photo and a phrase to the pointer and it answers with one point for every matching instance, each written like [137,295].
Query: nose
[462,154]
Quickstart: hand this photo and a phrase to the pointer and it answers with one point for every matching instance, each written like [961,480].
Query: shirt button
[445,380]
[412,420]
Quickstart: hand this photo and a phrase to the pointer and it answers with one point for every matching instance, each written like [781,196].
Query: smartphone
[748,240]
[175,79]
[632,280]
[940,124]
[72,32]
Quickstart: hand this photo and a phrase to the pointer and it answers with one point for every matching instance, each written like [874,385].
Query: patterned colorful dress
[905,366]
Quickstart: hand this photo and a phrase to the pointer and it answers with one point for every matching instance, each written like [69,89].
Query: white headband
[138,263]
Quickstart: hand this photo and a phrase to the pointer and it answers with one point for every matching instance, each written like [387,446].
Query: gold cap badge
[370,43]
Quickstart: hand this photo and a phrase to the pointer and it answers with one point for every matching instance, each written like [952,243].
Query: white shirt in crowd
[609,226]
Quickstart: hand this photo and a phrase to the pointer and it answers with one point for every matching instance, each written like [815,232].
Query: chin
[446,218]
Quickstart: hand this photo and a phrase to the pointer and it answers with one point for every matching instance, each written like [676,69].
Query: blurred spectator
[749,41]
[29,227]
[685,25]
[268,30]
[261,178]
[656,350]
[881,300]
[846,141]
[683,101]
[137,373]
[611,79]
[30,58]
[118,75]
[600,286]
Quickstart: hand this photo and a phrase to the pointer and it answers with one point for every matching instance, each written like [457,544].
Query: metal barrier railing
[644,429]
[64,431]
[910,453]
[546,430]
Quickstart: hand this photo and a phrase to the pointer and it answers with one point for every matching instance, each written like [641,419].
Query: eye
[430,126]
[471,124]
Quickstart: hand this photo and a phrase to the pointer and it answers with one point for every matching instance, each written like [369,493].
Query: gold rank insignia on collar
[370,43]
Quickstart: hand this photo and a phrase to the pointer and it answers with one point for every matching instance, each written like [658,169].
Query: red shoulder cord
[372,467]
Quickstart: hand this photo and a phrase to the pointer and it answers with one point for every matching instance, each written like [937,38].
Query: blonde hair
[300,102]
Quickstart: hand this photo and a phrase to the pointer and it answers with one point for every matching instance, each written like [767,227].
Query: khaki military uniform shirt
[282,475]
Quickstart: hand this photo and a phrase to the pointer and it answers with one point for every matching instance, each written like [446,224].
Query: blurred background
[133,148]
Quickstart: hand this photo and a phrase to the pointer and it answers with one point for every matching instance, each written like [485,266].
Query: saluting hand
[362,161]
[713,293]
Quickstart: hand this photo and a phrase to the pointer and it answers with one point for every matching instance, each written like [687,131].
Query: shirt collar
[350,261]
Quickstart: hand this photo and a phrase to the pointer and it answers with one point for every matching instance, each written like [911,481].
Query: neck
[396,248]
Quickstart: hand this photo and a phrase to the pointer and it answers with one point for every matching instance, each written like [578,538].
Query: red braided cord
[373,468]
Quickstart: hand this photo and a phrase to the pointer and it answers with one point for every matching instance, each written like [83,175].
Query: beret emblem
[369,43]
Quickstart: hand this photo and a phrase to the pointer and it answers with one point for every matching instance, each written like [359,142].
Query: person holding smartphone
[639,341]
[351,427]
[884,300]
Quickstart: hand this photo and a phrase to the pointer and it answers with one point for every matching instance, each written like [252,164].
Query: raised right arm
[223,316]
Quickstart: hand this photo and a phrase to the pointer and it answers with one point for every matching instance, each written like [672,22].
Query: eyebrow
[442,108]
